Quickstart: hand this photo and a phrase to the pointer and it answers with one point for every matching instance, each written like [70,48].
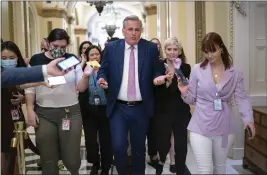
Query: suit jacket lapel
[227,75]
[141,57]
[209,76]
[120,57]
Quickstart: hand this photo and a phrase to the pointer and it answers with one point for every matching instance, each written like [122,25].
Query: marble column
[173,19]
[190,46]
[161,21]
[19,26]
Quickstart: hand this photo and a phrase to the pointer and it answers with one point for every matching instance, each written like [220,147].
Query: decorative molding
[26,28]
[49,27]
[239,5]
[151,9]
[200,29]
[231,30]
[11,20]
[56,13]
[80,31]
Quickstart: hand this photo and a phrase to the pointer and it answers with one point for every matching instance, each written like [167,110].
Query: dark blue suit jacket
[21,75]
[148,69]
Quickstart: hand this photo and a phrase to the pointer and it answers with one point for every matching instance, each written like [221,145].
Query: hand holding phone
[56,80]
[250,129]
[180,75]
[166,67]
[249,132]
[68,63]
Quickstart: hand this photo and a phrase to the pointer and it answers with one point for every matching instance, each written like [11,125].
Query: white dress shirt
[124,84]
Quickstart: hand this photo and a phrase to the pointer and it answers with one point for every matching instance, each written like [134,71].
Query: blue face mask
[9,63]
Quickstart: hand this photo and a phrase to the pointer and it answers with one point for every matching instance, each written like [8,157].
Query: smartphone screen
[68,63]
[56,80]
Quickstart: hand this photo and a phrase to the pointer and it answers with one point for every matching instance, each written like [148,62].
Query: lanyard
[94,79]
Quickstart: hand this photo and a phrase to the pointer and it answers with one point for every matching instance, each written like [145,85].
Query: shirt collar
[127,46]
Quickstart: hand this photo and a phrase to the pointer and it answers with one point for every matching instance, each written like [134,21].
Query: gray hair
[131,18]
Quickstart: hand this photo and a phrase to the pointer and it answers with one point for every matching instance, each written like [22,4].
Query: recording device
[56,80]
[180,74]
[68,63]
[249,132]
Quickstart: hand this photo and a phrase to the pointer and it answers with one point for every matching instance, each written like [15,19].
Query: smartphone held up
[68,63]
[181,77]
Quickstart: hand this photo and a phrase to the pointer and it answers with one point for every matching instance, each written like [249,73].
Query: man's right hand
[102,83]
[52,68]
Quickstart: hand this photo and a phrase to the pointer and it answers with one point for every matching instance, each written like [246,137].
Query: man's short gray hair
[131,18]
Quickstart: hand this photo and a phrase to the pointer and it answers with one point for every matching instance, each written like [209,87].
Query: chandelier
[110,29]
[99,5]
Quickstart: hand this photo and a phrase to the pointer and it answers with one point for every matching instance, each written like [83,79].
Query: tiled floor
[233,166]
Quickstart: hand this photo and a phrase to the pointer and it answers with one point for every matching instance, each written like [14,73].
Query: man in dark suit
[128,70]
[22,75]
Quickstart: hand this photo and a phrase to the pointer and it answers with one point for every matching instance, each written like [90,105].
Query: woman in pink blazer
[212,83]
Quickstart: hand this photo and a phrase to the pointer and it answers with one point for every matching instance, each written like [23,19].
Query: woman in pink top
[212,84]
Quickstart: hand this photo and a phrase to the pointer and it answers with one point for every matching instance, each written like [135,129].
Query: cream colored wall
[5,30]
[84,9]
[180,20]
[151,21]
[181,25]
[161,21]
[217,19]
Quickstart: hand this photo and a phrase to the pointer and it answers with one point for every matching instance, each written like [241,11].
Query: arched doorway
[94,23]
[96,26]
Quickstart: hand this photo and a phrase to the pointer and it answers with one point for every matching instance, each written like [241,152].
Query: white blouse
[61,96]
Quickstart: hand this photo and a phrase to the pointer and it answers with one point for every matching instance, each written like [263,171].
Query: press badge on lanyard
[66,121]
[15,114]
[217,103]
[96,97]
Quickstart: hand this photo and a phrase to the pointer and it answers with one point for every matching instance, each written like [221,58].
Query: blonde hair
[173,41]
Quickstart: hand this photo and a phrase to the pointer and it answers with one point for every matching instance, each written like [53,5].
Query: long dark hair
[209,43]
[11,46]
[58,34]
[81,46]
[90,48]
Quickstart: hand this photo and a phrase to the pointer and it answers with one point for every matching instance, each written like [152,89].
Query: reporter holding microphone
[212,83]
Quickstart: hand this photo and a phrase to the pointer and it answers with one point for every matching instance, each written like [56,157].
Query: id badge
[218,105]
[97,100]
[65,124]
[15,114]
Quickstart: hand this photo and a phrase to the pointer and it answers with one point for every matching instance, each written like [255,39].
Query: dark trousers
[129,118]
[177,123]
[97,122]
[151,138]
